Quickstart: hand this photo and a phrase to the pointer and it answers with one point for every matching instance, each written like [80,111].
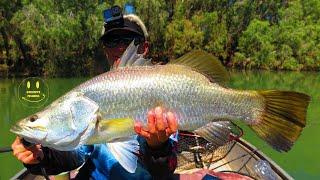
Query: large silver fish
[103,109]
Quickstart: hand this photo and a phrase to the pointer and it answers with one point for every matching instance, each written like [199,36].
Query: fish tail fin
[283,118]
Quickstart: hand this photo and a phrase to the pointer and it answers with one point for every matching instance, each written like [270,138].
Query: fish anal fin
[218,132]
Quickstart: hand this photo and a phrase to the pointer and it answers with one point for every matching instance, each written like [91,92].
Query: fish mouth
[16,129]
[21,131]
[27,133]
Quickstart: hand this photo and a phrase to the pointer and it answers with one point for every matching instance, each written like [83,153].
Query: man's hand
[160,126]
[27,155]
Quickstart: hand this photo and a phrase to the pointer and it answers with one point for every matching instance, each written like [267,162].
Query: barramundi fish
[104,108]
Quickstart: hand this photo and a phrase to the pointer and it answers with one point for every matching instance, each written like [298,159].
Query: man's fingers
[137,127]
[26,155]
[16,142]
[31,159]
[21,156]
[144,133]
[172,124]
[151,122]
[140,131]
[18,149]
[160,124]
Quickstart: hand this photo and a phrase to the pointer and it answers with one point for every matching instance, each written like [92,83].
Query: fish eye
[33,118]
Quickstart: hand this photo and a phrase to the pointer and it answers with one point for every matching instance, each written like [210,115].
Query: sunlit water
[302,162]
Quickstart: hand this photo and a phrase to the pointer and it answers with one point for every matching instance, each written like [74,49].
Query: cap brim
[119,31]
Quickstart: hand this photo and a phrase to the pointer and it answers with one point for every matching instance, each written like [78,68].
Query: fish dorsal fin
[130,57]
[125,153]
[205,64]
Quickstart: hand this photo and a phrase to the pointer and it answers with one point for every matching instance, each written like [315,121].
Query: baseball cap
[128,23]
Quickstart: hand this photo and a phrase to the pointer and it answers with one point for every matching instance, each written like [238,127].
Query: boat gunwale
[252,149]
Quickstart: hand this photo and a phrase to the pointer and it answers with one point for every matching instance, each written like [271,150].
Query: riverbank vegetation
[60,38]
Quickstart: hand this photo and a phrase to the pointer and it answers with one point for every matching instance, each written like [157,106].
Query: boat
[236,159]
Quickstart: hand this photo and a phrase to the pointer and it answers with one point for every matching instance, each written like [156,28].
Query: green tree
[59,38]
[183,36]
[61,35]
[256,45]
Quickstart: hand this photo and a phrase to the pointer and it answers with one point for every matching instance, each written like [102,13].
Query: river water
[302,162]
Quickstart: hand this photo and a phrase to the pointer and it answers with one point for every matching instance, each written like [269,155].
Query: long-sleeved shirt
[99,163]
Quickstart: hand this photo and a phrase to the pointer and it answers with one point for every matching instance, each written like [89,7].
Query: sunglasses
[122,40]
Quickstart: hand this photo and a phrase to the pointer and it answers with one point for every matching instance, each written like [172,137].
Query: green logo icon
[33,92]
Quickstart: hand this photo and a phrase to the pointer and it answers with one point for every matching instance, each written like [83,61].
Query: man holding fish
[157,155]
[106,109]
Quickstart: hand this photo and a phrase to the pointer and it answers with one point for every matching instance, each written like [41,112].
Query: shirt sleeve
[160,162]
[56,162]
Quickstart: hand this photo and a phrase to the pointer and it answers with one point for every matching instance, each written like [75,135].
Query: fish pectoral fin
[218,132]
[118,126]
[125,153]
[205,64]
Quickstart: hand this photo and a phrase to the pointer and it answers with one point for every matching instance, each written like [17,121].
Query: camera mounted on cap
[113,16]
[115,20]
